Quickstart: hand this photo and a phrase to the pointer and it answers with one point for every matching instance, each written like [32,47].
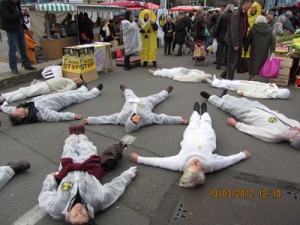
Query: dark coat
[112,35]
[199,30]
[180,31]
[168,36]
[262,43]
[235,33]
[10,17]
[222,26]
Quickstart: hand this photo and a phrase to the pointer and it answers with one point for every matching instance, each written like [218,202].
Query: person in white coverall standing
[257,120]
[196,156]
[75,194]
[137,112]
[46,107]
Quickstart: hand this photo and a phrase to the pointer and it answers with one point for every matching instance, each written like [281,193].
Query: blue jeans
[14,41]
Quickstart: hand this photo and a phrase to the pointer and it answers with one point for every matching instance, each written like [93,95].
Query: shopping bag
[199,51]
[84,36]
[270,69]
[214,46]
[243,66]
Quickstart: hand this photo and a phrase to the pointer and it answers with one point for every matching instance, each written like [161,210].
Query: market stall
[54,25]
[288,49]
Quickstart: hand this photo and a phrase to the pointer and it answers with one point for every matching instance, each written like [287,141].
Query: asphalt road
[152,196]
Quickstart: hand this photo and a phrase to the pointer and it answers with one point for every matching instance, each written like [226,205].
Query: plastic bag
[52,72]
[214,46]
[270,69]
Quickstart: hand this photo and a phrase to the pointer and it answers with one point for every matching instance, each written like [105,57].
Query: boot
[80,129]
[169,89]
[154,64]
[197,108]
[100,87]
[20,166]
[224,74]
[123,87]
[145,64]
[223,93]
[72,129]
[205,94]
[203,108]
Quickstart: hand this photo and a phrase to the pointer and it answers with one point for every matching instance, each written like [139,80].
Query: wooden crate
[284,72]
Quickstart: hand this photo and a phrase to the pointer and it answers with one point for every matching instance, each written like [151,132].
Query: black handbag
[243,66]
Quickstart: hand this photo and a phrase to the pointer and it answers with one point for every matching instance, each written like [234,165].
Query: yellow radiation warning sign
[78,60]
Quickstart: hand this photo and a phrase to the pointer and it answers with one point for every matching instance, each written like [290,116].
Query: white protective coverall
[252,89]
[182,74]
[55,199]
[142,106]
[131,37]
[199,142]
[41,88]
[6,173]
[49,105]
[256,119]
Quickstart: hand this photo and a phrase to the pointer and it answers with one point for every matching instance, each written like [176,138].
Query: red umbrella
[183,8]
[151,5]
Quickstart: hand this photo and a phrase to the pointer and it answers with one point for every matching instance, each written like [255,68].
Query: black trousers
[127,61]
[233,58]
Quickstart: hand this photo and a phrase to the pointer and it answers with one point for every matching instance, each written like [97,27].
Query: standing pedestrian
[131,37]
[235,36]
[262,43]
[169,28]
[11,21]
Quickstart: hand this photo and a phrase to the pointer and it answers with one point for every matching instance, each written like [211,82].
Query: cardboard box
[79,60]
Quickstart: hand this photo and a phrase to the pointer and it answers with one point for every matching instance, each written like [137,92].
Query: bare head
[169,19]
[247,4]
[18,116]
[78,215]
[136,118]
[193,174]
[260,19]
[281,19]
[294,137]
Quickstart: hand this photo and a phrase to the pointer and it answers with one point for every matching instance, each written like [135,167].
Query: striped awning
[99,8]
[55,7]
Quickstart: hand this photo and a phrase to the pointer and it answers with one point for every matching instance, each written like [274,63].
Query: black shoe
[145,64]
[169,89]
[20,166]
[203,108]
[223,93]
[100,87]
[197,108]
[224,74]
[218,67]
[154,64]
[15,72]
[30,68]
[123,87]
[127,68]
[205,94]
[215,62]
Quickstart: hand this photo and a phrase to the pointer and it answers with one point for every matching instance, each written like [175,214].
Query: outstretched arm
[111,119]
[221,162]
[53,116]
[170,163]
[165,119]
[113,190]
